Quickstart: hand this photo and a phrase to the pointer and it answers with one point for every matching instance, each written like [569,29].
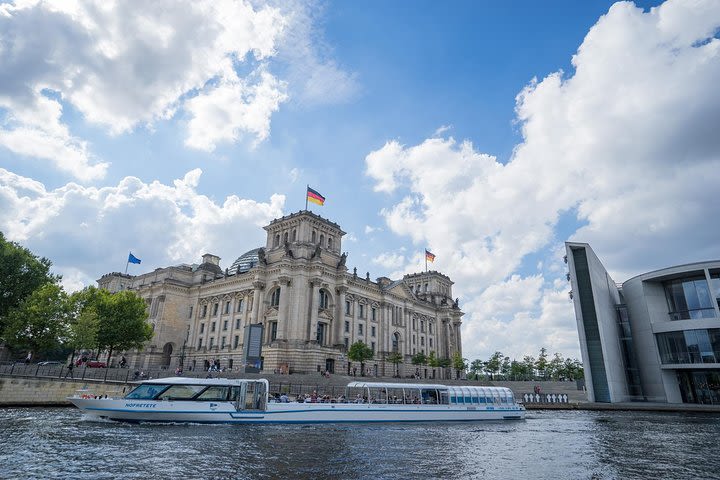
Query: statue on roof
[288,252]
[261,257]
[343,257]
[316,253]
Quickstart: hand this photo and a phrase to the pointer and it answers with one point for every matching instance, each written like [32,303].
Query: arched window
[275,298]
[330,246]
[277,241]
[426,287]
[396,342]
[324,299]
[294,235]
[322,240]
[312,237]
[285,237]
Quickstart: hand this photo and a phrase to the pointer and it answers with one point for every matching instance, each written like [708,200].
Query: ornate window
[322,240]
[396,342]
[330,243]
[275,298]
[324,299]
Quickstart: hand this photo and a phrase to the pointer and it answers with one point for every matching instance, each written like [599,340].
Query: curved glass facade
[689,346]
[245,262]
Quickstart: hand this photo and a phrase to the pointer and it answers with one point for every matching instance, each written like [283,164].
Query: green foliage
[444,363]
[395,358]
[500,366]
[359,352]
[419,359]
[40,322]
[432,361]
[21,273]
[85,322]
[122,321]
[459,363]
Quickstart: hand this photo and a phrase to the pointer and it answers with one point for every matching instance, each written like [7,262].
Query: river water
[61,443]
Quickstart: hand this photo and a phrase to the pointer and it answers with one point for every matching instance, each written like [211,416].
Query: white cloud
[161,224]
[123,65]
[369,229]
[389,260]
[628,142]
[294,174]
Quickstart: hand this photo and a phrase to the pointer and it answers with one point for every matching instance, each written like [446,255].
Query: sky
[487,132]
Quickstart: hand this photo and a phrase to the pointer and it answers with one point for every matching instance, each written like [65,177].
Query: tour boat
[220,400]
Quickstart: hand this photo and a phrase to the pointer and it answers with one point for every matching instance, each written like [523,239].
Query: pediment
[402,291]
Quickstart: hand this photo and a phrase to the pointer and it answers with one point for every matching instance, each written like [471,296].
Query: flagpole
[128,263]
[306,196]
[425,261]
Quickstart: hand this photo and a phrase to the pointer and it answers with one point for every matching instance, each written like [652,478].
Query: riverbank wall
[28,392]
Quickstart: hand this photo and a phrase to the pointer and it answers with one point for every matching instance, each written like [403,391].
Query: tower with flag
[429,257]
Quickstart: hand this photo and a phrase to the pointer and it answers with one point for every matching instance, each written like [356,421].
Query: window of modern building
[347,307]
[360,328]
[215,309]
[362,311]
[324,299]
[321,327]
[212,327]
[372,331]
[715,285]
[273,331]
[275,298]
[347,326]
[689,346]
[204,311]
[236,341]
[373,313]
[225,325]
[227,307]
[202,327]
[689,298]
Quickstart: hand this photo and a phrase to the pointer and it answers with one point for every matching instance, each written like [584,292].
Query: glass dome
[245,262]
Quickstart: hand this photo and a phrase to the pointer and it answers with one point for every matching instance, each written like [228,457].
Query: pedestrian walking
[70,370]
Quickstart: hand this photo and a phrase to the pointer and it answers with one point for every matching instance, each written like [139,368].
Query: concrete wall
[49,391]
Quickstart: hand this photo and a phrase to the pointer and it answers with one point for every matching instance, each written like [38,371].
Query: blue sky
[488,132]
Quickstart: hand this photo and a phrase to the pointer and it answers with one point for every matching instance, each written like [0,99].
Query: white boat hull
[225,412]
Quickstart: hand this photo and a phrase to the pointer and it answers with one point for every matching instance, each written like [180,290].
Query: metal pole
[306,197]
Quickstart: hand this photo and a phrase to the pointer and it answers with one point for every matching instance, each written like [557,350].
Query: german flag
[430,257]
[314,196]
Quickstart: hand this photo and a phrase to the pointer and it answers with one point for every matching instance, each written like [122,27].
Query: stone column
[339,316]
[282,318]
[458,345]
[257,299]
[314,305]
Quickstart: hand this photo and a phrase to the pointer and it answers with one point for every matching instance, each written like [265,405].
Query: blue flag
[133,259]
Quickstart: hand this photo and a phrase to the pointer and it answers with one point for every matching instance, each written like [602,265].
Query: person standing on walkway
[69,370]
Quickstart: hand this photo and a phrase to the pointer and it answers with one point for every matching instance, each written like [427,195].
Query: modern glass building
[655,337]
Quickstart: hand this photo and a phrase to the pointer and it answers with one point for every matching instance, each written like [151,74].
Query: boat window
[181,392]
[444,397]
[430,396]
[214,394]
[377,395]
[146,391]
[395,395]
[255,396]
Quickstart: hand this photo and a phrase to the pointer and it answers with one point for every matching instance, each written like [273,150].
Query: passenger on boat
[284,398]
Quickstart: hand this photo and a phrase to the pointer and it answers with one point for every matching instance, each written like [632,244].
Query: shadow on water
[58,443]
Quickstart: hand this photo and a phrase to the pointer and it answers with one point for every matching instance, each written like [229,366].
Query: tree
[528,363]
[39,323]
[556,367]
[419,359]
[542,362]
[458,363]
[517,370]
[359,352]
[21,273]
[122,321]
[395,358]
[492,366]
[476,368]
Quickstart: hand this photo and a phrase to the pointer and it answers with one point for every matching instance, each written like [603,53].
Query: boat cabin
[245,394]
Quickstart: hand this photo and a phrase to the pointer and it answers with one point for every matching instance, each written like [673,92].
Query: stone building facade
[311,307]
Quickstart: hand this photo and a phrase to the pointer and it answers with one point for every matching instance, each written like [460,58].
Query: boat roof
[203,381]
[427,386]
